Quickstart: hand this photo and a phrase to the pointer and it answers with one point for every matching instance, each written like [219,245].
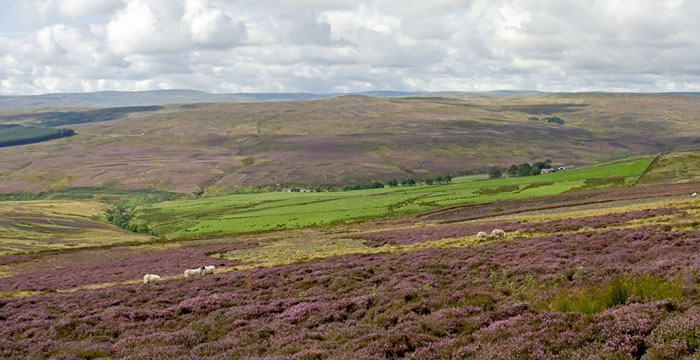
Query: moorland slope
[615,279]
[214,148]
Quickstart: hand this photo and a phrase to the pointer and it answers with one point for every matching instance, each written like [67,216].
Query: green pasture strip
[275,211]
[89,192]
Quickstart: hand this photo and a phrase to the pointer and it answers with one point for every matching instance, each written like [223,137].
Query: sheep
[206,270]
[149,278]
[693,194]
[482,235]
[498,233]
[192,272]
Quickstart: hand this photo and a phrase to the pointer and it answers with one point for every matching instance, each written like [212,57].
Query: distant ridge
[103,99]
[109,99]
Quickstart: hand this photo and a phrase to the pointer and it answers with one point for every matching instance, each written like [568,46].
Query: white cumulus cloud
[88,7]
[349,45]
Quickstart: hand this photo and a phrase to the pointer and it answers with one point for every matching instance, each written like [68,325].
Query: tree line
[21,135]
[524,169]
[444,179]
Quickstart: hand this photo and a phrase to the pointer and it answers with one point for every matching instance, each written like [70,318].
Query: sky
[329,46]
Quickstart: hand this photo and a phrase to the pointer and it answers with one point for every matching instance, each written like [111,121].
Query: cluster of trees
[551,119]
[444,179]
[524,169]
[121,217]
[379,184]
[21,135]
[404,182]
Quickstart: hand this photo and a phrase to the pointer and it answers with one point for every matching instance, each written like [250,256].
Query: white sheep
[482,235]
[498,233]
[149,278]
[693,194]
[192,272]
[207,270]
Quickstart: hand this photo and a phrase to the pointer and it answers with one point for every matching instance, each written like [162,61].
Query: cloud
[147,27]
[349,45]
[210,26]
[168,27]
[76,8]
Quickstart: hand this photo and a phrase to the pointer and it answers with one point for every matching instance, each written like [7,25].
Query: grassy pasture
[277,211]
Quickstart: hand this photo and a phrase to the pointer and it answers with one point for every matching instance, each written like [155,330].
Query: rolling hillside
[276,211]
[212,149]
[155,97]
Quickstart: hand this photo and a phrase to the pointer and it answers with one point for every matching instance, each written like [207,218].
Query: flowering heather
[481,302]
[429,233]
[598,221]
[87,267]
[510,206]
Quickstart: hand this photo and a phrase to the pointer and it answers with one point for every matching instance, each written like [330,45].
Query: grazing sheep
[498,233]
[149,278]
[192,272]
[694,194]
[482,235]
[207,270]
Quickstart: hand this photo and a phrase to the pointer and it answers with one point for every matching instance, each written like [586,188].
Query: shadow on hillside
[60,118]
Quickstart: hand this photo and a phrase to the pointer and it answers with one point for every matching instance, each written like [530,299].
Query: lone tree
[495,172]
[513,170]
[393,182]
[524,169]
[446,179]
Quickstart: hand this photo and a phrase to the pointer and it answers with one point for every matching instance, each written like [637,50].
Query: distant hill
[104,99]
[215,148]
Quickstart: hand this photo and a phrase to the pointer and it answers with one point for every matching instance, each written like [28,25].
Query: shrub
[377,185]
[408,182]
[554,119]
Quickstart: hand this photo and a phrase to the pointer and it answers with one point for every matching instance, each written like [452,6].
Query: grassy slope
[255,212]
[679,167]
[347,139]
[28,226]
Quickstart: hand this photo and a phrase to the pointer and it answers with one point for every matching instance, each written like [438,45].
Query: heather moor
[310,180]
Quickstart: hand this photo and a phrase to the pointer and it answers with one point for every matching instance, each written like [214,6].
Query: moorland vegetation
[596,262]
[341,141]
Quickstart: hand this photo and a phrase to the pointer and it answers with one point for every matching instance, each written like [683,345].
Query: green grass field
[276,211]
